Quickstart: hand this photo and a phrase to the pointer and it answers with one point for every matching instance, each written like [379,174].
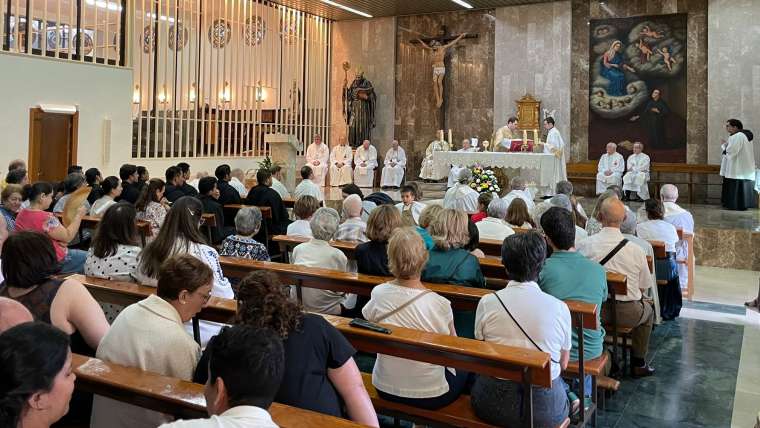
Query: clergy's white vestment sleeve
[619,166]
[602,165]
[372,161]
[401,158]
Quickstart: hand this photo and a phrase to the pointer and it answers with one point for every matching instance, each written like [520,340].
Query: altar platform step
[431,190]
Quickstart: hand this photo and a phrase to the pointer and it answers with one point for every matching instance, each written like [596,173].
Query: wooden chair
[177,397]
[617,285]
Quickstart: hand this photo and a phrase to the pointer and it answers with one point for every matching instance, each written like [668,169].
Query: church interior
[274,122]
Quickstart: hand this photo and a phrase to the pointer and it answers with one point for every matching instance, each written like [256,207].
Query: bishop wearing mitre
[427,170]
[394,165]
[365,160]
[502,138]
[340,164]
[317,157]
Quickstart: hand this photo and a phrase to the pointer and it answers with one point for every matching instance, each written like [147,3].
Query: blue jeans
[74,261]
[574,386]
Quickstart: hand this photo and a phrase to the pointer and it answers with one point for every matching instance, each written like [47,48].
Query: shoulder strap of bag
[407,303]
[614,251]
[521,328]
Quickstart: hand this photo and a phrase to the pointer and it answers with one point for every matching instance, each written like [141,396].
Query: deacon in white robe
[456,169]
[681,219]
[394,165]
[636,179]
[502,138]
[365,160]
[427,169]
[317,157]
[340,164]
[555,145]
[738,169]
[462,196]
[610,169]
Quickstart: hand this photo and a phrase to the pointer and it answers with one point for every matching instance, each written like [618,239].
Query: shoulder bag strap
[521,328]
[614,251]
[407,303]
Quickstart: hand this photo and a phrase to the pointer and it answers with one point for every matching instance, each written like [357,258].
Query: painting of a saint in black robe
[637,86]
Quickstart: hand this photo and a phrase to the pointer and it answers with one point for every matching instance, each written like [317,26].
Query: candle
[450,140]
[525,136]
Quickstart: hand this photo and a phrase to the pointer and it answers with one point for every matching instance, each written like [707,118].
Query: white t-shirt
[318,253]
[549,327]
[431,313]
[493,228]
[659,230]
[307,187]
[236,417]
[300,228]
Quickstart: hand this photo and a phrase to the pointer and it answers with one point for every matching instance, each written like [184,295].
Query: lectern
[283,149]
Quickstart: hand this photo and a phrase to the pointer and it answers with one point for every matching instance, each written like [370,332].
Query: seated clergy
[454,171]
[427,169]
[307,186]
[518,190]
[365,161]
[340,164]
[317,157]
[494,226]
[636,178]
[462,196]
[394,165]
[610,169]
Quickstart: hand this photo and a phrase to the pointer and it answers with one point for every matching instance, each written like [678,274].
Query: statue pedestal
[283,149]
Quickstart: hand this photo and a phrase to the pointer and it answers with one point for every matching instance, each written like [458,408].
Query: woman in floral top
[152,206]
[242,244]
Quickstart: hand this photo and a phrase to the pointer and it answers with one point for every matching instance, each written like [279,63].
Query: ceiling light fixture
[463,3]
[350,9]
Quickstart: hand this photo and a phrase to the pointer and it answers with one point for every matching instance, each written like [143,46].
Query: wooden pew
[526,366]
[92,222]
[177,397]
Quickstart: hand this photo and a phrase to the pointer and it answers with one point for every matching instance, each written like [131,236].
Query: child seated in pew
[409,207]
[483,201]
[324,382]
[242,244]
[150,335]
[303,208]
[405,302]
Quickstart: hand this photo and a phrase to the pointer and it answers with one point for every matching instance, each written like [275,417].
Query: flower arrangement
[484,180]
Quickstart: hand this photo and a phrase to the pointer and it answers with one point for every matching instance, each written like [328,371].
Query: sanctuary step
[430,190]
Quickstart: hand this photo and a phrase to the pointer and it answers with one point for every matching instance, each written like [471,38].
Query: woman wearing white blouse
[657,229]
[111,190]
[405,302]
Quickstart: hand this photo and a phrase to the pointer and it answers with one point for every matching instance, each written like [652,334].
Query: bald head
[612,213]
[12,313]
[352,206]
[669,193]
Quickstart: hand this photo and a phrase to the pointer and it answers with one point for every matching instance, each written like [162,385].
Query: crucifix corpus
[438,47]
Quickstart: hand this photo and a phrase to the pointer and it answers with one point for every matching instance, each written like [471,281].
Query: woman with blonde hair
[405,302]
[426,217]
[450,262]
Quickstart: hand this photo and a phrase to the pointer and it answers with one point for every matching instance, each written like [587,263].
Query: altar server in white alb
[365,160]
[610,169]
[738,169]
[636,178]
[427,169]
[394,165]
[317,157]
[462,196]
[340,164]
[555,145]
[456,169]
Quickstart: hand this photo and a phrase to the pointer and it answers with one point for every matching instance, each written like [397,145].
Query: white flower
[477,181]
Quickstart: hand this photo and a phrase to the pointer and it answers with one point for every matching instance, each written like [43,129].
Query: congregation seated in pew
[129,183]
[174,184]
[409,206]
[208,193]
[228,195]
[449,261]
[461,196]
[484,199]
[353,228]
[405,302]
[111,188]
[303,208]
[262,195]
[241,243]
[353,189]
[372,256]
[150,335]
[518,215]
[428,214]
[473,241]
[323,382]
[307,186]
[71,184]
[518,189]
[11,198]
[152,207]
[494,226]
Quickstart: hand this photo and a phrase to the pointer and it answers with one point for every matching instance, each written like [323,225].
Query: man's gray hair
[498,208]
[629,224]
[517,183]
[669,193]
[324,223]
[464,176]
[564,187]
[248,221]
[561,201]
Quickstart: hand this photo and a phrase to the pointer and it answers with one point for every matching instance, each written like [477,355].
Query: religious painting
[637,86]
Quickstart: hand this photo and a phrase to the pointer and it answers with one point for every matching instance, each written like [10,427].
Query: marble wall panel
[532,56]
[469,82]
[370,45]
[696,75]
[727,248]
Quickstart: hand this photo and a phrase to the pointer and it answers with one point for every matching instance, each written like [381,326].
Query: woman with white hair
[242,244]
[317,252]
[494,226]
[353,228]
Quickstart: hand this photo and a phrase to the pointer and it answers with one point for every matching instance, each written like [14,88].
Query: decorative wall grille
[212,77]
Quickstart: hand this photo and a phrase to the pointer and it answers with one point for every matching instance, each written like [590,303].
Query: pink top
[43,222]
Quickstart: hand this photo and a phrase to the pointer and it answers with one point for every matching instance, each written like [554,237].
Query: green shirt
[571,276]
[456,266]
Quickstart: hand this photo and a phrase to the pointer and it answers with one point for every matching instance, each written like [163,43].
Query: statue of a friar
[359,109]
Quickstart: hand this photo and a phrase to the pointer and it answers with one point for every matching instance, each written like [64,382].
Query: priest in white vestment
[610,169]
[462,196]
[681,219]
[518,190]
[555,145]
[365,160]
[502,138]
[317,157]
[636,178]
[738,169]
[340,164]
[427,169]
[307,186]
[455,169]
[393,166]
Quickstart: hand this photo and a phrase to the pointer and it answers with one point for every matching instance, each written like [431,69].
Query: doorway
[52,144]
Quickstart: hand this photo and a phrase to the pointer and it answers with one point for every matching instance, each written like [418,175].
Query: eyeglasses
[206,297]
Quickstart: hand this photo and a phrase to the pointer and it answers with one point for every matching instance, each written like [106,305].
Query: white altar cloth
[542,170]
